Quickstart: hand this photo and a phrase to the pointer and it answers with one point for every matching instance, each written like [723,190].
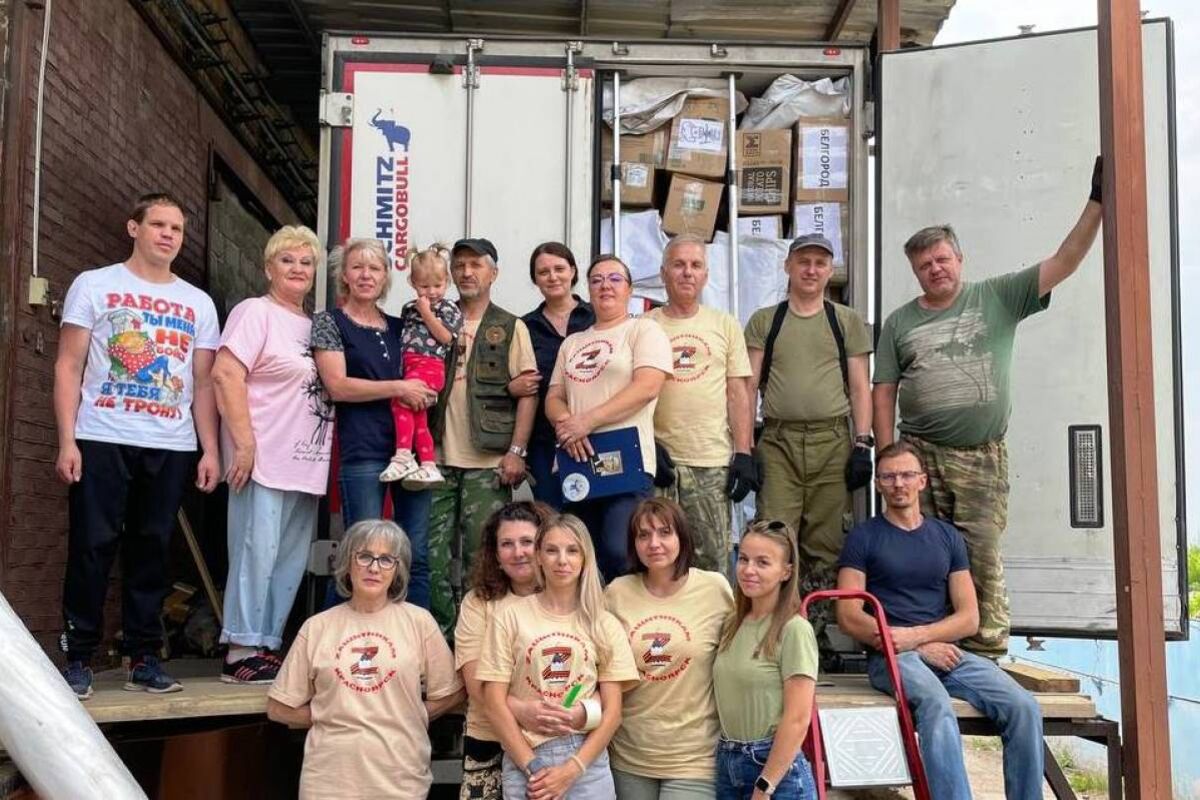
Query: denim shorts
[595,784]
[740,763]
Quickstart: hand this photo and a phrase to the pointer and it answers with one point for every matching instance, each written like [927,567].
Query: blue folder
[616,467]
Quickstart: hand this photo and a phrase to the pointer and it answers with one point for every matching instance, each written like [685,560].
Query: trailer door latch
[337,109]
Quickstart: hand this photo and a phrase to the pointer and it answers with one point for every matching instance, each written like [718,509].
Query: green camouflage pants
[456,520]
[968,486]
[700,492]
[804,485]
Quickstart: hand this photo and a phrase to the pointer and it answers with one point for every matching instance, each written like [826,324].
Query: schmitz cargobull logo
[391,186]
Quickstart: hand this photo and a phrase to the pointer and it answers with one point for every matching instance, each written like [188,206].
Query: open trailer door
[997,138]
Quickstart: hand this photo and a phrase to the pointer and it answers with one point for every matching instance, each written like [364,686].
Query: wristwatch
[518,451]
[865,439]
[536,765]
[763,785]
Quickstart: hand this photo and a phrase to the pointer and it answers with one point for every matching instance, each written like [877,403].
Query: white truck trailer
[435,137]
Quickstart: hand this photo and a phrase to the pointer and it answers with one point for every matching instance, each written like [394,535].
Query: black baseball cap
[480,247]
[811,240]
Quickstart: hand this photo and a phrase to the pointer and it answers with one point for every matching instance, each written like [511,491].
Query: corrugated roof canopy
[286,33]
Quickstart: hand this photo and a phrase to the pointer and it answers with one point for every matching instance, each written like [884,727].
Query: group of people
[605,646]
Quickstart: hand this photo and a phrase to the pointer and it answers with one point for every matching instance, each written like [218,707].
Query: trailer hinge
[337,109]
[471,71]
[717,50]
[570,75]
[868,128]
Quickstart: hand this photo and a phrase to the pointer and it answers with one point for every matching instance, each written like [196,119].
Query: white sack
[789,98]
[650,103]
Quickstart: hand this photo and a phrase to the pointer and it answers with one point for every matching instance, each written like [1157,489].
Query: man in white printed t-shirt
[131,393]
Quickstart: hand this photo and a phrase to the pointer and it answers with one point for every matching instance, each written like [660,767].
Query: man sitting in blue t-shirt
[917,567]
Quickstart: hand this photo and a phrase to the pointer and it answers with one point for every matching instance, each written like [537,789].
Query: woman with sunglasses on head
[355,676]
[560,646]
[672,612]
[607,378]
[765,674]
[504,572]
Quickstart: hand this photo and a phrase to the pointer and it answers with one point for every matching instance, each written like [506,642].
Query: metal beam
[887,29]
[834,30]
[1137,555]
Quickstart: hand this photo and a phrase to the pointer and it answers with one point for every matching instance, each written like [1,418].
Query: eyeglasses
[767,525]
[892,478]
[615,278]
[365,560]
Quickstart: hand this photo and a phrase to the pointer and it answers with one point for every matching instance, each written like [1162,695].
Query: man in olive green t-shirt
[809,413]
[946,356]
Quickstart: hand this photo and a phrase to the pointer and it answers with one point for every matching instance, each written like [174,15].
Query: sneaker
[428,476]
[401,466]
[255,669]
[147,675]
[79,678]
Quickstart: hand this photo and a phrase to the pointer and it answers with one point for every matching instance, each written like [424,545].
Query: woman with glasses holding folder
[601,403]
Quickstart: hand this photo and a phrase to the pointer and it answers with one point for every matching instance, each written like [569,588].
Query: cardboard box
[637,184]
[692,206]
[645,148]
[762,227]
[764,171]
[698,138]
[832,220]
[822,165]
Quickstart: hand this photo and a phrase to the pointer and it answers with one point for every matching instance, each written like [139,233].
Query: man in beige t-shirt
[703,415]
[483,431]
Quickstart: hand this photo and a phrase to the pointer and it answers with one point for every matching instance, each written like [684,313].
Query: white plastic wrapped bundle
[46,731]
[649,103]
[642,242]
[789,98]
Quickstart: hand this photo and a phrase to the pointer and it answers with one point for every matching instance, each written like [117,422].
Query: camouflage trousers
[968,486]
[804,485]
[456,519]
[700,492]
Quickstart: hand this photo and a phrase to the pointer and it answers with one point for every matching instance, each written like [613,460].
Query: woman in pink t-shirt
[276,436]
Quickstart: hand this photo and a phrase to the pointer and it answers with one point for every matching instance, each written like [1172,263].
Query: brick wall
[121,118]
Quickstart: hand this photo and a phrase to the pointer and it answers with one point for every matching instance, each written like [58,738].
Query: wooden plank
[1137,554]
[203,695]
[1042,679]
[838,22]
[853,691]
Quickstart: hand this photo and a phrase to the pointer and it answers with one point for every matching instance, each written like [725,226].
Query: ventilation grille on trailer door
[1087,476]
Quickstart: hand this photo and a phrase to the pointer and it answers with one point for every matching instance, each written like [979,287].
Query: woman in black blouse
[552,269]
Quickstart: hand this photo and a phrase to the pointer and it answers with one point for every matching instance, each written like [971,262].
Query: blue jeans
[362,498]
[594,784]
[607,519]
[986,687]
[740,763]
[540,462]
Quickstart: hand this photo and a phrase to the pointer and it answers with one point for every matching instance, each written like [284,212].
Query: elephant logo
[393,133]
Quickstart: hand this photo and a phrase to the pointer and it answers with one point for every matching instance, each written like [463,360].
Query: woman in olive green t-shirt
[765,674]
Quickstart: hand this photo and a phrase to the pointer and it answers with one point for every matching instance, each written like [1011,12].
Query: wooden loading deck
[206,704]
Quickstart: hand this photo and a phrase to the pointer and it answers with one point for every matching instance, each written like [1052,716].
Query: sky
[987,19]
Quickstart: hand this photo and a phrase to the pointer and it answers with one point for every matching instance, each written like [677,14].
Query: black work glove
[858,468]
[743,477]
[1097,181]
[664,466]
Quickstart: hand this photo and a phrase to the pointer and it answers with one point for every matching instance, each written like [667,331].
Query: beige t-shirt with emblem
[474,619]
[455,449]
[362,675]
[540,654]
[669,725]
[692,418]
[597,364]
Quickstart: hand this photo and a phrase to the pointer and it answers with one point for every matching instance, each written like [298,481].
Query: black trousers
[126,499]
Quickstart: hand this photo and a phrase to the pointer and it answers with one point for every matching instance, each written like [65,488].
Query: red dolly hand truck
[813,746]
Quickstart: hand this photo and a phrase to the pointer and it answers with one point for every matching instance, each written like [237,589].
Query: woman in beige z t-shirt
[607,378]
[354,675]
[673,612]
[503,572]
[543,647]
